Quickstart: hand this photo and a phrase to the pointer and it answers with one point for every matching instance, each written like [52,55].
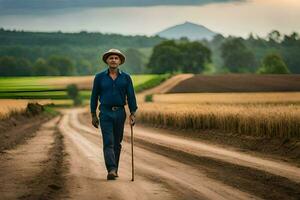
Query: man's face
[113,61]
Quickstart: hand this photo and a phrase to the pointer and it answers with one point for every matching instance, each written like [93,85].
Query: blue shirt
[113,92]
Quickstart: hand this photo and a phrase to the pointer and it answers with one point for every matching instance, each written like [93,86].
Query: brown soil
[260,183]
[35,168]
[238,83]
[169,164]
[49,183]
[18,128]
[256,179]
[285,149]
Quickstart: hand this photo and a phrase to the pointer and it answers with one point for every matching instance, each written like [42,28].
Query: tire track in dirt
[16,130]
[87,177]
[245,176]
[183,180]
[33,170]
[198,148]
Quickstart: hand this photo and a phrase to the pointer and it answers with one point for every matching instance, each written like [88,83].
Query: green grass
[11,84]
[32,87]
[35,95]
[154,81]
[51,111]
[140,79]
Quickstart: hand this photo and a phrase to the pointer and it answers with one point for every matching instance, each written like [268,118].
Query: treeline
[80,39]
[239,55]
[24,51]
[54,65]
[276,54]
[59,65]
[33,53]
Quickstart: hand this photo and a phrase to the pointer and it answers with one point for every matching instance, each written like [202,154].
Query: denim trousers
[112,128]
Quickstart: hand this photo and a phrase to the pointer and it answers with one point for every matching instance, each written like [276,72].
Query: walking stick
[132,167]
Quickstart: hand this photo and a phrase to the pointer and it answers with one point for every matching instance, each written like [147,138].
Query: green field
[15,84]
[55,87]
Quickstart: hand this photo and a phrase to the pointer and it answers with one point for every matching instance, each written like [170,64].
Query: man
[112,87]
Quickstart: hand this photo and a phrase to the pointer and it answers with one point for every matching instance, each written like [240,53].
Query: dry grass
[9,106]
[230,98]
[265,120]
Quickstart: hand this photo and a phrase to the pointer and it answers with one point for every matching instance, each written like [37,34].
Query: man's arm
[94,96]
[94,102]
[131,97]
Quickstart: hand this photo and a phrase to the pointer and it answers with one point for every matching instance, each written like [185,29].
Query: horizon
[238,18]
[141,35]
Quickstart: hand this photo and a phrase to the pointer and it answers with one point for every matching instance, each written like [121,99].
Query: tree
[275,36]
[215,47]
[236,56]
[194,55]
[290,40]
[134,61]
[273,64]
[84,67]
[23,68]
[290,51]
[165,58]
[41,68]
[8,66]
[63,64]
[184,56]
[73,93]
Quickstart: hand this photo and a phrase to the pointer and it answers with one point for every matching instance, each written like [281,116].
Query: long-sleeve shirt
[113,92]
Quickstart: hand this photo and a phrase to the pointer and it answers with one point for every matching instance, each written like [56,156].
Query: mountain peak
[190,23]
[187,29]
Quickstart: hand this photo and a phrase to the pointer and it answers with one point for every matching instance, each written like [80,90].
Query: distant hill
[190,30]
[238,83]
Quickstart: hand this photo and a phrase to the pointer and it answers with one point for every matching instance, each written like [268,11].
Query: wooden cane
[132,163]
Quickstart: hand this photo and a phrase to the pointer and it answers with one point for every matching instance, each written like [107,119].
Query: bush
[34,109]
[73,93]
[273,64]
[149,98]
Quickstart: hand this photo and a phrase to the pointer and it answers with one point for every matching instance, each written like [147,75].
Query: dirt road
[164,87]
[65,161]
[168,167]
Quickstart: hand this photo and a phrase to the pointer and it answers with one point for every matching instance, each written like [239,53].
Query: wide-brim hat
[113,52]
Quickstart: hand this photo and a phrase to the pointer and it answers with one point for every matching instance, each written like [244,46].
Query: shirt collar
[120,71]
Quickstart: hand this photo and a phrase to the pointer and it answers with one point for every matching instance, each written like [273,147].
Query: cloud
[11,6]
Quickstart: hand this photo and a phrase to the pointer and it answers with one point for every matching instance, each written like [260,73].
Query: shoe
[112,175]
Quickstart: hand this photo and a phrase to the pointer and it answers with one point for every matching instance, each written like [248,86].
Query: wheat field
[251,115]
[8,106]
[230,98]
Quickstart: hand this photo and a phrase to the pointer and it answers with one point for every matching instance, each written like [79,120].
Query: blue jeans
[112,128]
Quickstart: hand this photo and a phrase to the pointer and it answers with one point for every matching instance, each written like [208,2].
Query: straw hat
[113,52]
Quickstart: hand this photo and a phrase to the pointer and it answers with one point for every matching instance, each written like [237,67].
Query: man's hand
[132,119]
[95,120]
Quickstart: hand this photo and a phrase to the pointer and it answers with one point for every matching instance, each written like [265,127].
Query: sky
[228,18]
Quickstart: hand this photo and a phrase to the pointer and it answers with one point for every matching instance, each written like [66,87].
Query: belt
[113,108]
